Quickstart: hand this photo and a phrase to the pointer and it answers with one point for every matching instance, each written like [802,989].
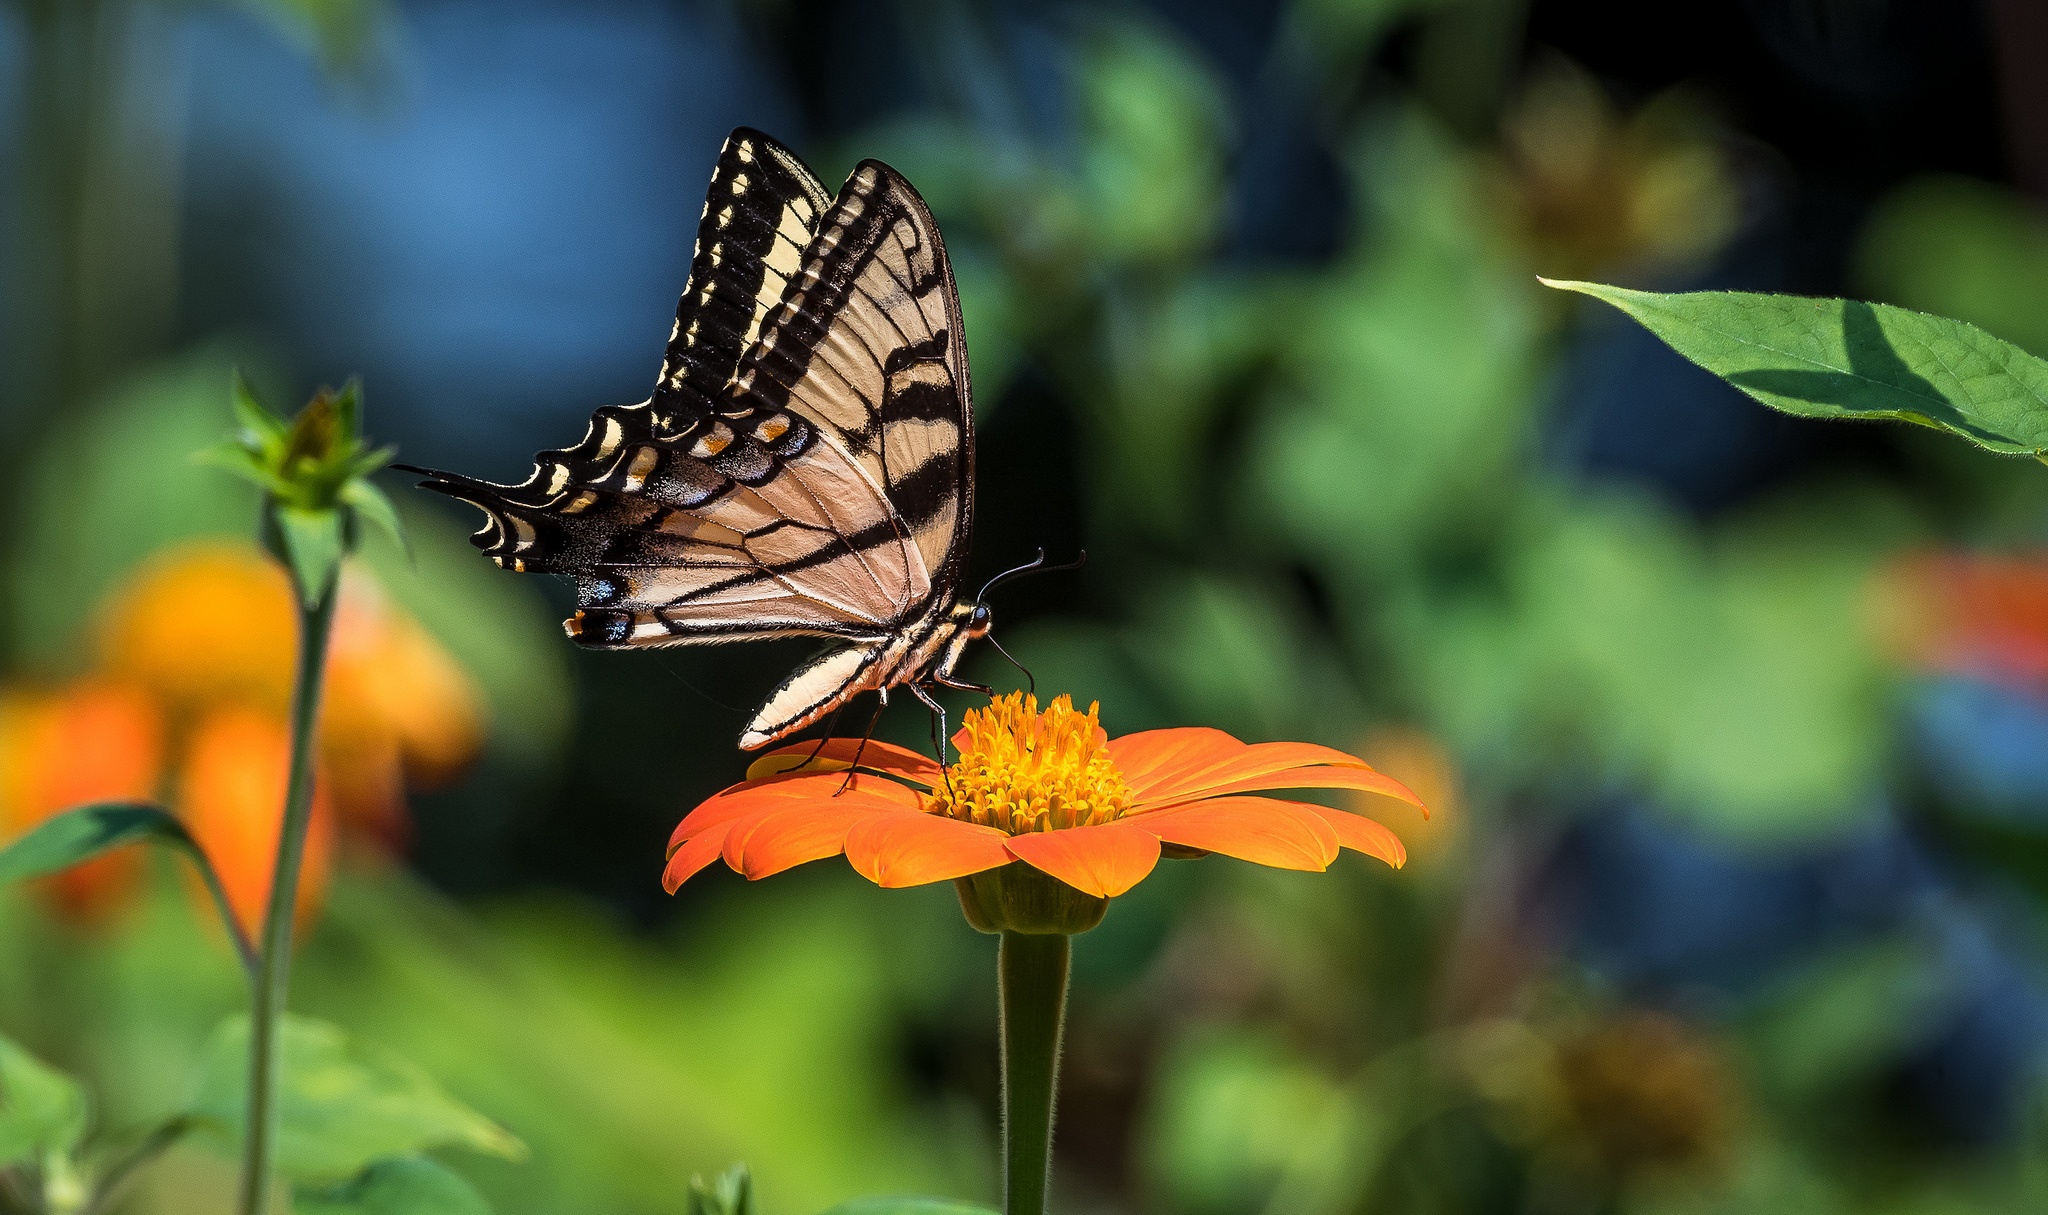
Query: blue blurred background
[1736,725]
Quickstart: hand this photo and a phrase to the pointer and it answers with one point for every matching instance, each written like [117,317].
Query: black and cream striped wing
[775,510]
[759,218]
[868,348]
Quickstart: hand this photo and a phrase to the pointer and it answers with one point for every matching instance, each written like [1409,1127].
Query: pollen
[1022,770]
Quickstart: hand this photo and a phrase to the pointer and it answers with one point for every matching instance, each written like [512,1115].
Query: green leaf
[41,1109]
[404,1185]
[234,456]
[313,542]
[908,1206]
[342,1105]
[256,417]
[370,503]
[731,1194]
[79,835]
[1823,358]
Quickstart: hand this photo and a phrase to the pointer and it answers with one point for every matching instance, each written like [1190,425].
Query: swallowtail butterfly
[805,464]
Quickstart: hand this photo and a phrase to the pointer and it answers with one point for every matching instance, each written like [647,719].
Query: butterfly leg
[961,685]
[830,723]
[938,732]
[882,702]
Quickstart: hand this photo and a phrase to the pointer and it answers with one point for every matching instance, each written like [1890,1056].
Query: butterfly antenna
[1031,683]
[1036,563]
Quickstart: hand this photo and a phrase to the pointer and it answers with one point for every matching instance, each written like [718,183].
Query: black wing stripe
[758,188]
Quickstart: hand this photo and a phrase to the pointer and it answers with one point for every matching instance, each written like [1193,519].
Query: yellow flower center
[1022,770]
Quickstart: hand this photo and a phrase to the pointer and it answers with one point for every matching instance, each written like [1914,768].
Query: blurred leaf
[731,1194]
[41,1109]
[1230,1115]
[340,32]
[370,502]
[342,1105]
[1259,675]
[1734,683]
[80,834]
[1402,403]
[907,1206]
[1154,134]
[1955,246]
[404,1185]
[256,418]
[557,1018]
[311,544]
[233,456]
[1847,1019]
[1847,359]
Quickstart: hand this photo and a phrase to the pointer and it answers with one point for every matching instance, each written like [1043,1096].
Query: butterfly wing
[793,503]
[760,215]
[868,347]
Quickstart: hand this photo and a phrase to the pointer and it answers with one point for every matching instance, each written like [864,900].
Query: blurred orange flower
[197,653]
[1983,616]
[90,742]
[213,623]
[230,793]
[1049,790]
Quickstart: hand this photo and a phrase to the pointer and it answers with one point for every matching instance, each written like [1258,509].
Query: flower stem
[273,977]
[1032,986]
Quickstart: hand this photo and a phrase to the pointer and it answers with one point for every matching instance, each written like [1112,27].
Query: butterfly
[804,465]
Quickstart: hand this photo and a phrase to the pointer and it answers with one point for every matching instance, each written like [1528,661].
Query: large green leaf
[1824,358]
[342,1105]
[907,1206]
[41,1109]
[79,835]
[406,1185]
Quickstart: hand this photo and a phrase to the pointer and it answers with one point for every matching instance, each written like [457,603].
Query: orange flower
[91,742]
[212,624]
[1983,616]
[231,795]
[1048,790]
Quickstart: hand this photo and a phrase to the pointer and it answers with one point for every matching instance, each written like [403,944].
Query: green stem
[273,976]
[1032,986]
[152,1145]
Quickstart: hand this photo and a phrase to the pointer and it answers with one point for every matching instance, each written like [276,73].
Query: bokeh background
[1736,726]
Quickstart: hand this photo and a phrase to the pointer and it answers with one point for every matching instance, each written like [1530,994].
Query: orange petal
[881,756]
[1104,860]
[831,810]
[1152,758]
[1246,763]
[685,862]
[1361,834]
[897,850]
[1317,776]
[1263,830]
[780,792]
[784,839]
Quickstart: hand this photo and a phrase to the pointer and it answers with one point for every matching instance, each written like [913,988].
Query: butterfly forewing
[759,217]
[867,346]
